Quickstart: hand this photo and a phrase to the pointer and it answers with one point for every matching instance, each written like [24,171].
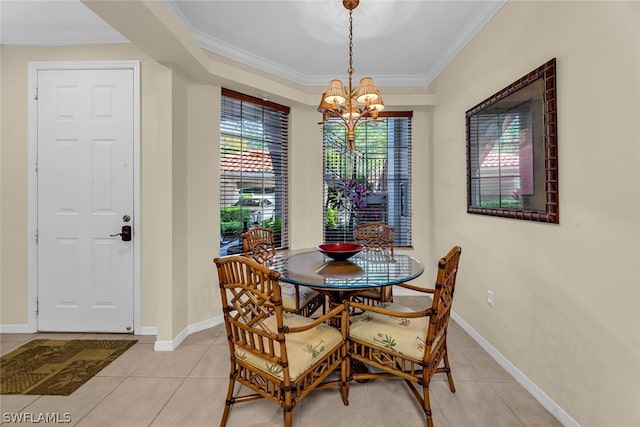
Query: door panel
[85,188]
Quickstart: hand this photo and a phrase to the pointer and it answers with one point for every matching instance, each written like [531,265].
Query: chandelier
[352,107]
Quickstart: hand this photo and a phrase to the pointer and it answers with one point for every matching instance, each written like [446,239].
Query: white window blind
[372,183]
[253,169]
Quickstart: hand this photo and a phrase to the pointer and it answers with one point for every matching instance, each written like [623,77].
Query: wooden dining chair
[258,243]
[376,236]
[400,342]
[277,355]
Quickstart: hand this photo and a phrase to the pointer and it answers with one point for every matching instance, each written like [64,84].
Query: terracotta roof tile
[504,155]
[246,161]
[494,159]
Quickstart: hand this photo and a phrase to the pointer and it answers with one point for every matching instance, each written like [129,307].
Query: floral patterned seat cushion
[288,292]
[402,335]
[303,348]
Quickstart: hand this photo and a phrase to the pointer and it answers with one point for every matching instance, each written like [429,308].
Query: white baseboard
[16,329]
[205,324]
[148,330]
[542,398]
[166,345]
[145,330]
[24,329]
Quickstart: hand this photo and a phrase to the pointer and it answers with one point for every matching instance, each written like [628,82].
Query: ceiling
[398,42]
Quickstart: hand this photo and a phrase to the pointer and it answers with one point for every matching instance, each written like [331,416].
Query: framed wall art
[512,152]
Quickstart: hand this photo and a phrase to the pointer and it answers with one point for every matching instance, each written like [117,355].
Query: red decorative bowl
[340,251]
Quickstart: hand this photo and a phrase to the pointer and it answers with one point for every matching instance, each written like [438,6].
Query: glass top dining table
[365,270]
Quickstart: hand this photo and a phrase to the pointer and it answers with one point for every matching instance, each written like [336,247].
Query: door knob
[125,233]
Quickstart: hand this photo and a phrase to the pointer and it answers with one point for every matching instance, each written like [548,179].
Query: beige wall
[567,296]
[567,304]
[179,203]
[159,210]
[305,187]
[203,223]
[13,187]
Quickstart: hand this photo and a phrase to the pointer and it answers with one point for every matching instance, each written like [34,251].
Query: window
[504,164]
[253,169]
[371,183]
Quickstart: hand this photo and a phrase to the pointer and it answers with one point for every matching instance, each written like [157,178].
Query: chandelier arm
[360,120]
[346,122]
[366,117]
[337,114]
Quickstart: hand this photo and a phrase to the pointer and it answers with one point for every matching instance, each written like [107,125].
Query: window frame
[343,185]
[254,165]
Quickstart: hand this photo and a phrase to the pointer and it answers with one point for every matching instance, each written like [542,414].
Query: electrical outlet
[490,301]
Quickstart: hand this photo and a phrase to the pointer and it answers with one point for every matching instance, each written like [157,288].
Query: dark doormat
[56,367]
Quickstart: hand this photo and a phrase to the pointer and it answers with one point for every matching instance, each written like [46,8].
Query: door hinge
[36,95]
[36,236]
[36,166]
[37,307]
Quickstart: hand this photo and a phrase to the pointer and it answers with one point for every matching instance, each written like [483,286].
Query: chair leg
[287,407]
[344,380]
[288,418]
[447,367]
[426,405]
[229,401]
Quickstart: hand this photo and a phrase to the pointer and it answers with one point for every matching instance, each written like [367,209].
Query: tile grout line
[512,410]
[180,385]
[103,398]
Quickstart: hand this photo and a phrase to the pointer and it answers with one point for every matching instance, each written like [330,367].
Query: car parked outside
[262,208]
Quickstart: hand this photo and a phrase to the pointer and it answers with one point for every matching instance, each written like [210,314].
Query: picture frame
[512,150]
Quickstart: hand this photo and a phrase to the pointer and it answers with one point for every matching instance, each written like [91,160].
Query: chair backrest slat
[442,299]
[258,244]
[380,238]
[251,301]
[376,235]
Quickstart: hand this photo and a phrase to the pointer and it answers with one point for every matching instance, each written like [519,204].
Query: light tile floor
[187,387]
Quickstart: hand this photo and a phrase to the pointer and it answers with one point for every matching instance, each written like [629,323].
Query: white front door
[85,135]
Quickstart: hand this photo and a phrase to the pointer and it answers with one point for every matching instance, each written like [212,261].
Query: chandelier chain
[350,71]
[342,103]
